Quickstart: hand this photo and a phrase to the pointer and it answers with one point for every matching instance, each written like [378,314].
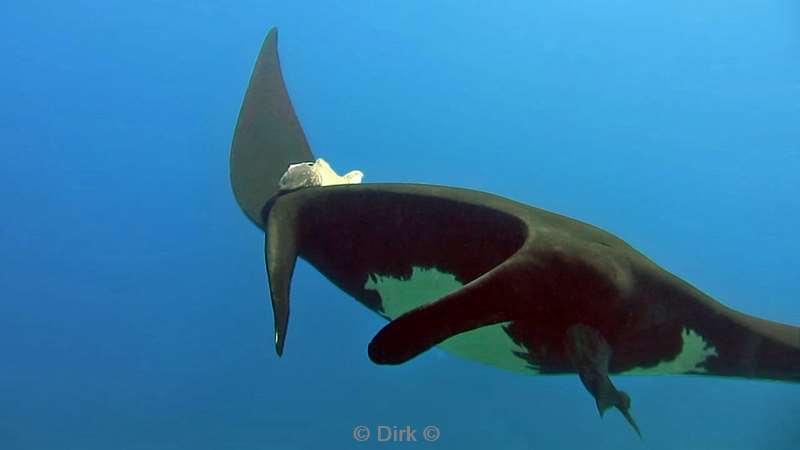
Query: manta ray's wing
[667,327]
[355,235]
[394,247]
[268,136]
[713,339]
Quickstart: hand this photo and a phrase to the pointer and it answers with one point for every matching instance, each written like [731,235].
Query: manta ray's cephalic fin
[462,310]
[280,252]
[590,354]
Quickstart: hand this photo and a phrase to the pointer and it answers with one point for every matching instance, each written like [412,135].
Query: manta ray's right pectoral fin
[590,354]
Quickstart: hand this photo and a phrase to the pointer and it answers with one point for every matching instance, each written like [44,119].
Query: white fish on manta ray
[317,173]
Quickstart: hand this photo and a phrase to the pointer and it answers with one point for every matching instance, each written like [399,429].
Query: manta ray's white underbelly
[491,344]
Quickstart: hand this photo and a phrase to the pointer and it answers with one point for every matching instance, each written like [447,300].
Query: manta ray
[484,277]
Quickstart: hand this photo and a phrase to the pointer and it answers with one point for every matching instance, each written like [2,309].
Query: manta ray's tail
[590,353]
[621,401]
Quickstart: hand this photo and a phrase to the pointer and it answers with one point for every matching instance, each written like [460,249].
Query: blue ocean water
[133,308]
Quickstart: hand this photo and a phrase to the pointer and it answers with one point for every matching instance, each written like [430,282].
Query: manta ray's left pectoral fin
[590,354]
[476,304]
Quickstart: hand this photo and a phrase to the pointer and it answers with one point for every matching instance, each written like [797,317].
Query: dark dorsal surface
[353,232]
[530,272]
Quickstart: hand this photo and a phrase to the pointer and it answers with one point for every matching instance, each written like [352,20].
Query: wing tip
[268,136]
